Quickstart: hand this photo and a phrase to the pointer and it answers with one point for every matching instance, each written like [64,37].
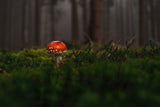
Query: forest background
[34,23]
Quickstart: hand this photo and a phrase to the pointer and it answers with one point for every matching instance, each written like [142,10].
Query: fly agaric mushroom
[57,48]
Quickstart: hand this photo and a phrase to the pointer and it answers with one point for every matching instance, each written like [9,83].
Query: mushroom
[57,48]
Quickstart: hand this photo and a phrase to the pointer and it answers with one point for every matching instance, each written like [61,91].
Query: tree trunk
[141,23]
[96,21]
[47,21]
[8,25]
[157,19]
[23,22]
[37,22]
[85,14]
[106,20]
[2,22]
[151,3]
[75,25]
[13,26]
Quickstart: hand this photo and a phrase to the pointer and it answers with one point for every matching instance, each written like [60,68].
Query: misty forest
[79,53]
[34,23]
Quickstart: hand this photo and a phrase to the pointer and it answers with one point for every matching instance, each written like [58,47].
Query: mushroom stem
[58,59]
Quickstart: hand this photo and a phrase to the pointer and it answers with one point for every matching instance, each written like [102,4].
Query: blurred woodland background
[29,23]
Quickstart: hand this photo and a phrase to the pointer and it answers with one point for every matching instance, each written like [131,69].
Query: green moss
[90,76]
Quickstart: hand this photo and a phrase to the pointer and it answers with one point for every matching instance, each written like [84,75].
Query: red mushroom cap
[56,47]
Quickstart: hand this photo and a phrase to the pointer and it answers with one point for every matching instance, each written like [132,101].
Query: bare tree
[95,27]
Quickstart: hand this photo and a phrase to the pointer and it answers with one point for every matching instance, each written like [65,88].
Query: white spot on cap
[50,47]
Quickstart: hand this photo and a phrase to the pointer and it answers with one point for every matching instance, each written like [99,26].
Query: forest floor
[87,77]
